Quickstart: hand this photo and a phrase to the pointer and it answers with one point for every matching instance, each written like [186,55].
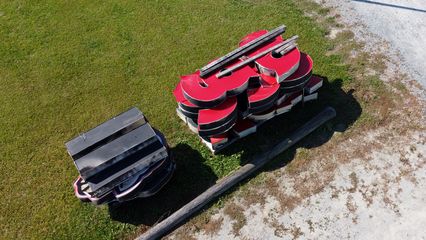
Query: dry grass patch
[213,226]
[236,213]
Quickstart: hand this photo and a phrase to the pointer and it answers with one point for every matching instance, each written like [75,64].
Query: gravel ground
[400,23]
[379,196]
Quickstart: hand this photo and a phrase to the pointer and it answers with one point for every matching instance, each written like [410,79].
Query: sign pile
[121,159]
[231,96]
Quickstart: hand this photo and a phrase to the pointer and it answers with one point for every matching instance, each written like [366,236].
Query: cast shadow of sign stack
[192,176]
[330,94]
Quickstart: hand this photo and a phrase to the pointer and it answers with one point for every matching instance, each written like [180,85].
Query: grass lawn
[66,66]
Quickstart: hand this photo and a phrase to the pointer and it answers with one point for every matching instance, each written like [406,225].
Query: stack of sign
[121,159]
[231,96]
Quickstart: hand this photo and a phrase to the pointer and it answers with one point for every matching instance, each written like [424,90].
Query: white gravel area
[383,199]
[401,24]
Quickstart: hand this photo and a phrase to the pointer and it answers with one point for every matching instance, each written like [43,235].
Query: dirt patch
[354,182]
[213,226]
[236,213]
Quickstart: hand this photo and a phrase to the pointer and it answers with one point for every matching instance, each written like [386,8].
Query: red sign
[215,103]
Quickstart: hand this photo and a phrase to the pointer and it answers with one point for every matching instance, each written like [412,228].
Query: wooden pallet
[285,105]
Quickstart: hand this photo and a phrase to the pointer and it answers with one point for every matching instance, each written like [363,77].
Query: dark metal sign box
[116,150]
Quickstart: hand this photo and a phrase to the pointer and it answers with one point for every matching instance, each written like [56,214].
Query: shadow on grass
[192,176]
[330,94]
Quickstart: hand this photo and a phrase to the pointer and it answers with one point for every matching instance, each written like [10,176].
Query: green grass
[66,66]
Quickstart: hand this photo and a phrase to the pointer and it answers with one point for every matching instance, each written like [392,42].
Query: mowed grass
[66,66]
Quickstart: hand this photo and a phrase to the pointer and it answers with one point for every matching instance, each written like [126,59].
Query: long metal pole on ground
[181,215]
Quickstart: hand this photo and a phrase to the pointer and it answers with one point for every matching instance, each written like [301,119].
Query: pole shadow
[392,5]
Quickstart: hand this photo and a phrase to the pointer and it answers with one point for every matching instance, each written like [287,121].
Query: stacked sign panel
[121,159]
[231,96]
